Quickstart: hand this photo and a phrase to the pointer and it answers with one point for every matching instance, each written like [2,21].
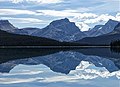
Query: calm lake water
[86,67]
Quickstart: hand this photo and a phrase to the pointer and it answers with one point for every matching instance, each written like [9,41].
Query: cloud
[16,12]
[82,20]
[34,1]
[45,1]
[75,14]
[66,78]
[83,65]
[22,73]
[66,13]
[118,16]
[17,80]
[16,1]
[101,18]
[86,17]
[103,74]
[85,72]
[24,20]
[56,13]
[83,26]
[82,72]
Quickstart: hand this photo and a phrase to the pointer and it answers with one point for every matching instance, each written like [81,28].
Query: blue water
[71,68]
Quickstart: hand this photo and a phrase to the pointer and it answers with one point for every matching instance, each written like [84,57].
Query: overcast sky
[39,13]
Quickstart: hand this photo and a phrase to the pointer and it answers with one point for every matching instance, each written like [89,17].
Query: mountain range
[105,39]
[10,39]
[102,29]
[59,61]
[65,31]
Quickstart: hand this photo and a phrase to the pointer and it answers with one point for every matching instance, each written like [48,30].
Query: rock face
[6,25]
[62,30]
[64,62]
[105,39]
[102,29]
[23,31]
[95,31]
[109,26]
[30,30]
[18,31]
[116,30]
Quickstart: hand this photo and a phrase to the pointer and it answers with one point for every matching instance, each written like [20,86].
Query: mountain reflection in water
[64,61]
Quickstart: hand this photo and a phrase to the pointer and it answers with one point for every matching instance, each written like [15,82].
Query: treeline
[115,46]
[9,39]
[115,43]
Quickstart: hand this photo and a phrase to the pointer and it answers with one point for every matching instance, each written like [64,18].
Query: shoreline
[53,47]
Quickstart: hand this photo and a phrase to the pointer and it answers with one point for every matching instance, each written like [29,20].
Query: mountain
[6,25]
[9,39]
[23,31]
[102,29]
[63,61]
[109,26]
[95,31]
[99,40]
[105,39]
[18,31]
[62,30]
[30,30]
[116,30]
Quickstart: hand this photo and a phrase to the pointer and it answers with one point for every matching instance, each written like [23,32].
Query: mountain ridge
[62,30]
[105,39]
[102,29]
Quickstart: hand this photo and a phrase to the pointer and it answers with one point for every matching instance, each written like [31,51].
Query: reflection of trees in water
[115,46]
[115,49]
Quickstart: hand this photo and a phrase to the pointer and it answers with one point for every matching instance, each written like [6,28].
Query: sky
[85,75]
[39,13]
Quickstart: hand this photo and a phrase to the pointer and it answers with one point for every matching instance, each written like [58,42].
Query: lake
[83,67]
